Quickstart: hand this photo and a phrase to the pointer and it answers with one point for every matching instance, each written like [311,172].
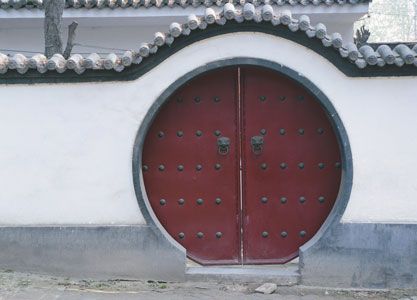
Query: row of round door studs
[199,133]
[263,166]
[264,234]
[263,199]
[217,99]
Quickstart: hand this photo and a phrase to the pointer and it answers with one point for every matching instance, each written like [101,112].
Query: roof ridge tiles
[365,56]
[88,4]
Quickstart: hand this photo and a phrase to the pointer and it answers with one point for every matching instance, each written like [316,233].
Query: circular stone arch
[344,146]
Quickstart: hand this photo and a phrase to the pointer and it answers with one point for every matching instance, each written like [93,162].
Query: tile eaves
[381,56]
[90,4]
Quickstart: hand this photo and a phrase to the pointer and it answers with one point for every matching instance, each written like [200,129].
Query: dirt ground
[15,285]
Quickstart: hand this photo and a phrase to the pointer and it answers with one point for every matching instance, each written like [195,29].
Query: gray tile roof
[384,55]
[15,4]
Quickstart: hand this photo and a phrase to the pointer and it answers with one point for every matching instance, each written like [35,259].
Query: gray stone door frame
[347,168]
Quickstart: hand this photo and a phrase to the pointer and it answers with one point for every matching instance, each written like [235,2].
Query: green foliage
[391,21]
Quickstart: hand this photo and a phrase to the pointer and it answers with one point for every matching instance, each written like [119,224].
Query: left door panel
[192,185]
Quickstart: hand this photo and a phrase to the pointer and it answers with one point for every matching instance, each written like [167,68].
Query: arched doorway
[241,166]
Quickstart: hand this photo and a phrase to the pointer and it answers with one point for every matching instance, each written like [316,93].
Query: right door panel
[291,166]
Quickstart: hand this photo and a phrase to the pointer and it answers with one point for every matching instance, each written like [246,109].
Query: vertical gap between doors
[240,149]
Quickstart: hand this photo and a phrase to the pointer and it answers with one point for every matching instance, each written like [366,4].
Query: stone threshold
[282,275]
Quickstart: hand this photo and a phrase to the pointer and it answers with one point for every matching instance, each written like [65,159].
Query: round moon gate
[241,166]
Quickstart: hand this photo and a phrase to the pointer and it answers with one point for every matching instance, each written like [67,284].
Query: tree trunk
[53,26]
[70,41]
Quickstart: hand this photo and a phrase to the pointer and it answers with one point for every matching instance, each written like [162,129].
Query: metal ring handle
[223,145]
[257,143]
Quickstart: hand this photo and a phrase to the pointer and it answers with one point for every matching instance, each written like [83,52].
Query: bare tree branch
[362,36]
[52,26]
[71,38]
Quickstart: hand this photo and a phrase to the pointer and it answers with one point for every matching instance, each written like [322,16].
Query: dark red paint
[298,110]
[251,99]
[189,116]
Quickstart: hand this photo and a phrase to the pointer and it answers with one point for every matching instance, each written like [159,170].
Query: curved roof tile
[15,4]
[384,55]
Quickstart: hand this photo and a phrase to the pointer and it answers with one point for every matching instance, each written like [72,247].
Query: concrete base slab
[100,252]
[280,275]
[363,256]
[347,255]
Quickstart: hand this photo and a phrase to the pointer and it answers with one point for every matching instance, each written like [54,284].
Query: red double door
[241,166]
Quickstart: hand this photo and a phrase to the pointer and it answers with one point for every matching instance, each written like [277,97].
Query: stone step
[280,275]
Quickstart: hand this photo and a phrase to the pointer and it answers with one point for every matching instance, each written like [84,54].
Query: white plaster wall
[114,38]
[67,148]
[22,30]
[66,154]
[119,37]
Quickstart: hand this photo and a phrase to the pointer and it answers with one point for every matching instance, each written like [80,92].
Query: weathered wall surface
[67,148]
[22,29]
[122,37]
